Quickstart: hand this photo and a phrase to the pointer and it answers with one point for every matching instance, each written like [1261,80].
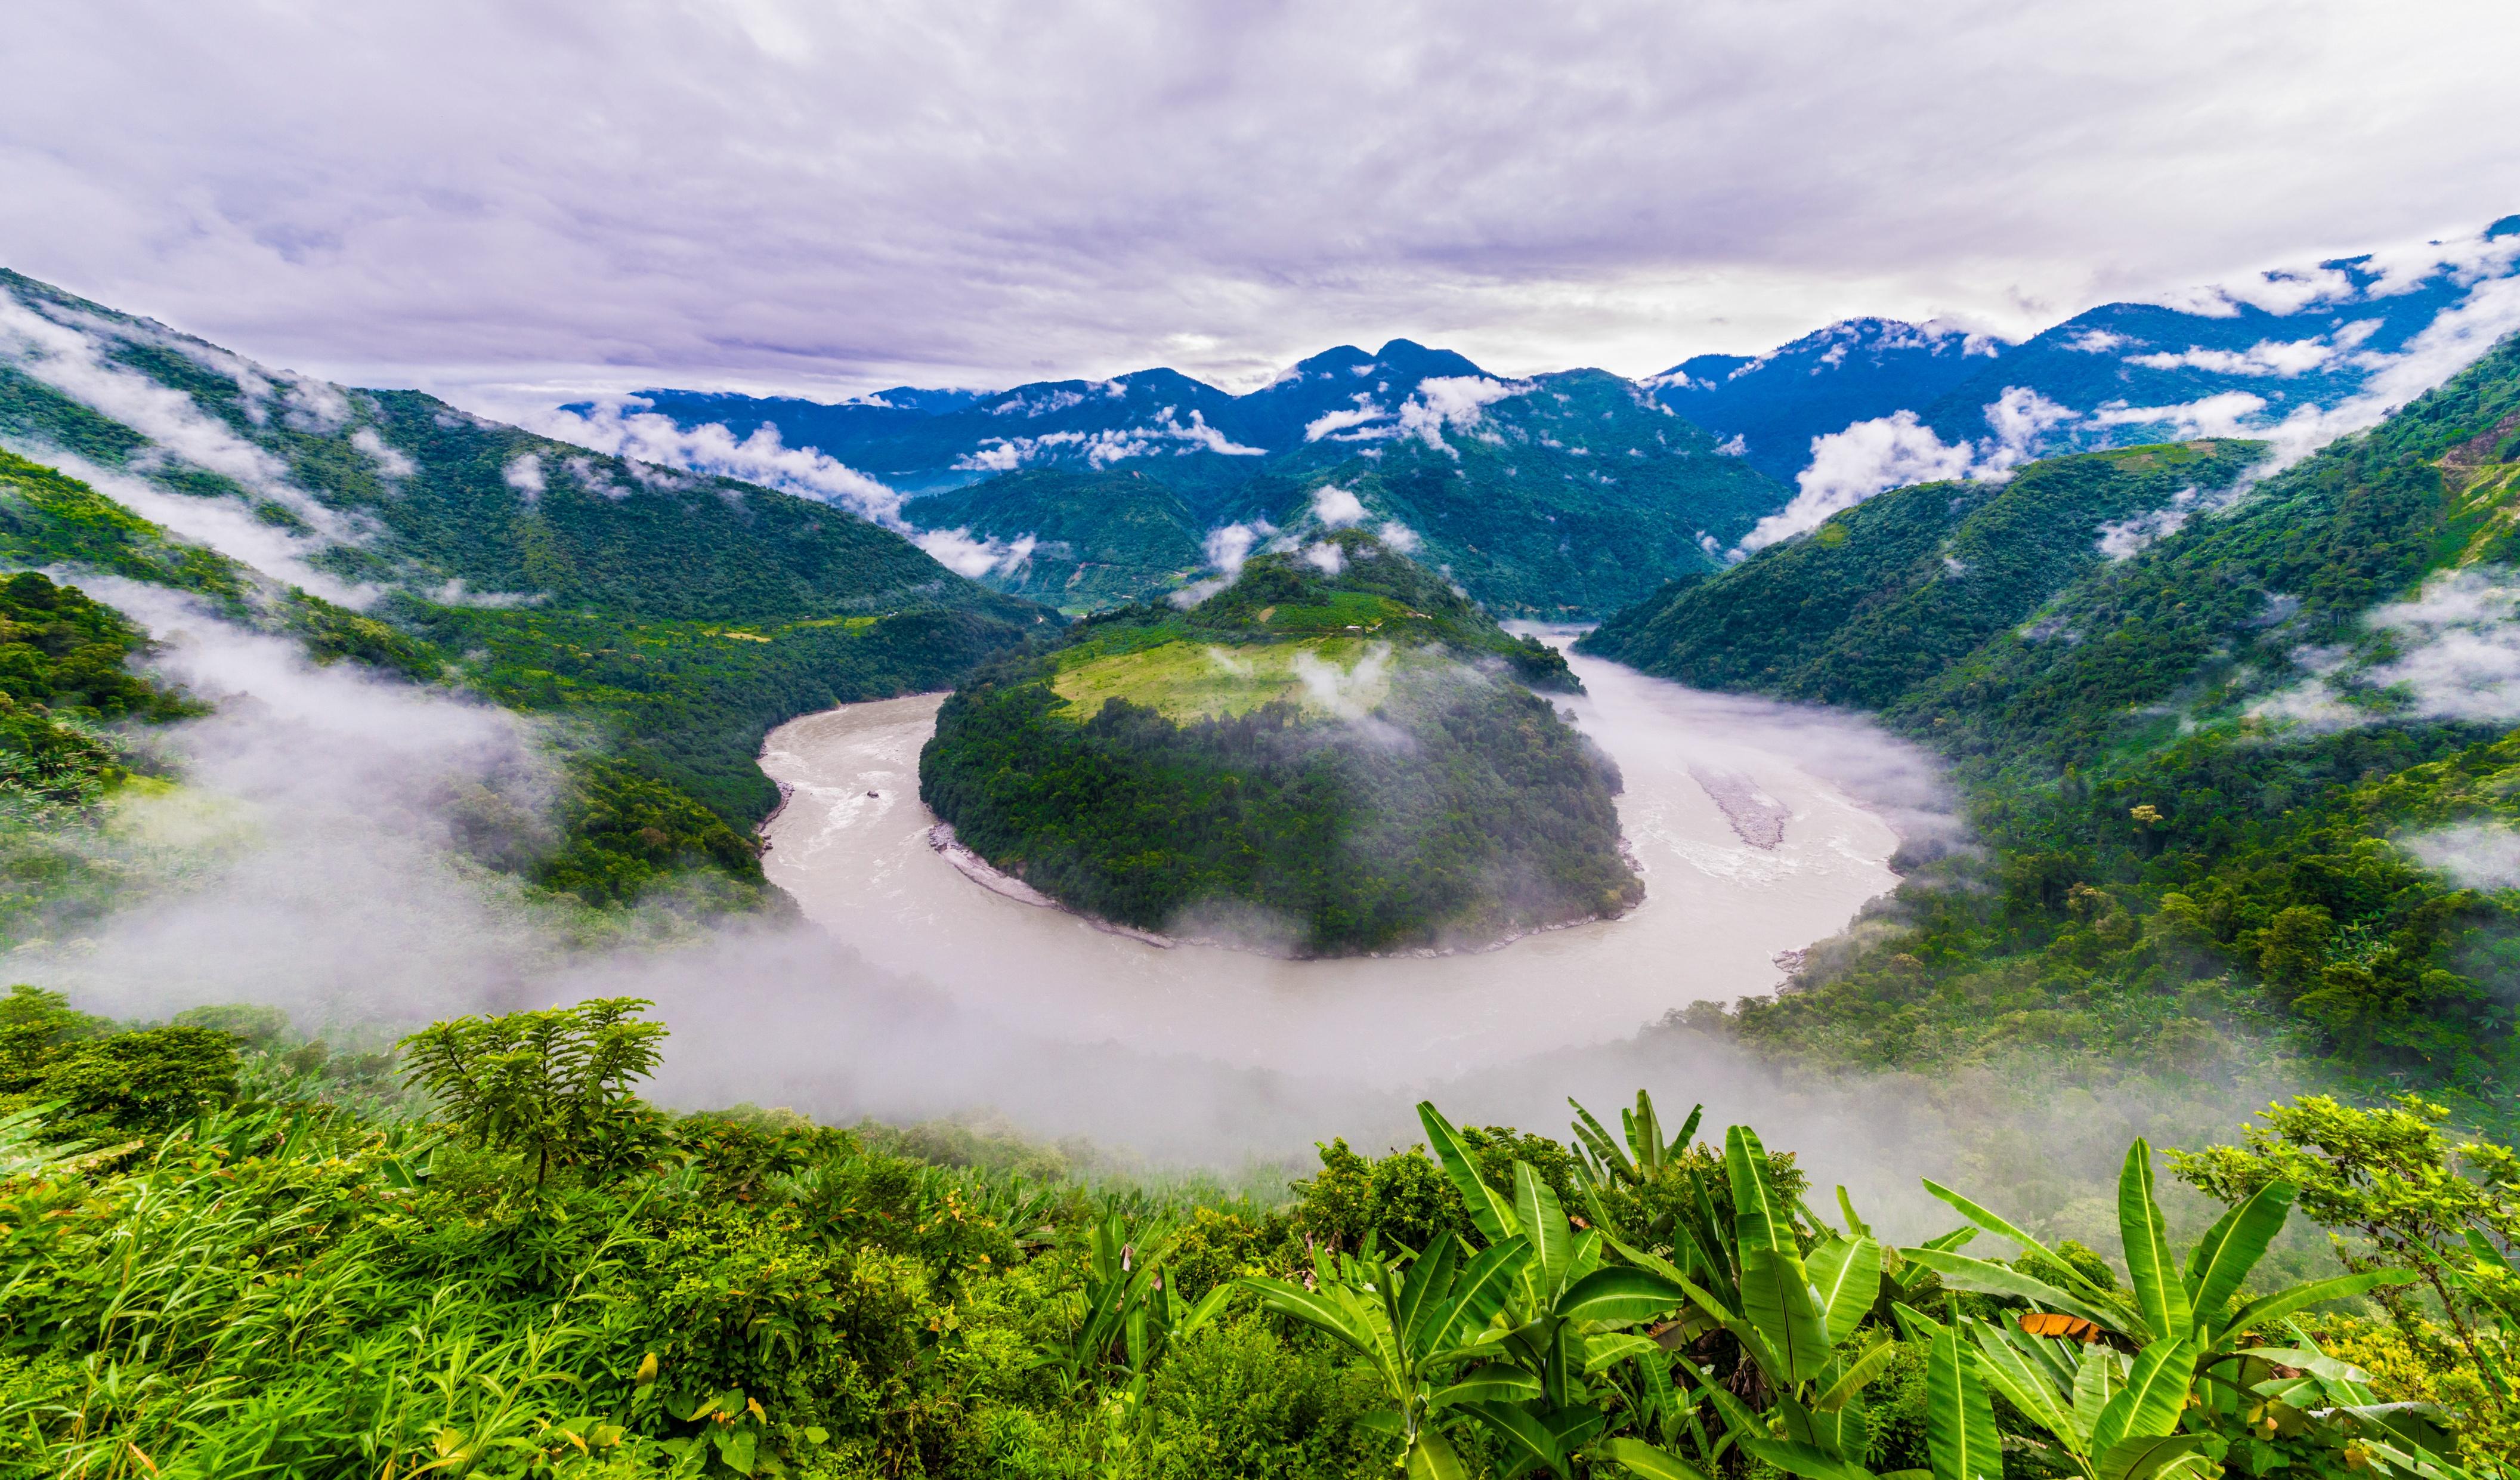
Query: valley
[852,847]
[1092,796]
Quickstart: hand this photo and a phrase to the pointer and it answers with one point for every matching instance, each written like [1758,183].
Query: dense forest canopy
[2218,771]
[668,620]
[1336,753]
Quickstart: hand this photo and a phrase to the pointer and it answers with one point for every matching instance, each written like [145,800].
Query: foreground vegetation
[224,1252]
[1318,760]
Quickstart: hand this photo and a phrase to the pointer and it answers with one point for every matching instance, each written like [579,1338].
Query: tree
[141,1081]
[2391,1177]
[553,1085]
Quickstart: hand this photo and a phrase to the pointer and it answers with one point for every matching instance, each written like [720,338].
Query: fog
[316,858]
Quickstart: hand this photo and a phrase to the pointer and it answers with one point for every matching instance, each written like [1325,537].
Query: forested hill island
[1335,753]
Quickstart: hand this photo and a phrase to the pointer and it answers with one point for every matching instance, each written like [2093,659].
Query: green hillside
[1565,496]
[679,616]
[2202,776]
[1106,539]
[1572,500]
[1326,761]
[1896,588]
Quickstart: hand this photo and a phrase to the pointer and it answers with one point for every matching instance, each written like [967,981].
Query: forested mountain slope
[1901,586]
[680,615]
[1087,540]
[1565,493]
[2253,777]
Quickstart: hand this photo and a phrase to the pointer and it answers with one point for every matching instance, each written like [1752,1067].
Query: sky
[509,202]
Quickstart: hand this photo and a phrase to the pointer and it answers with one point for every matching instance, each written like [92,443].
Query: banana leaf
[2152,1267]
[1642,1458]
[1490,1213]
[1960,1419]
[2154,1396]
[2142,1459]
[1776,1289]
[1847,1275]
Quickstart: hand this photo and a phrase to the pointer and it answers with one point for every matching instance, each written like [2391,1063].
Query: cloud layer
[496,199]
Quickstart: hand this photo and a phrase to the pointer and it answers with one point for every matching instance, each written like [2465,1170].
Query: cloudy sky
[496,200]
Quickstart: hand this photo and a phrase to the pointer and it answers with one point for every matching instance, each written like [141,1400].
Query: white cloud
[2123,538]
[645,437]
[1455,402]
[1229,546]
[524,473]
[2226,414]
[1894,451]
[2280,293]
[1331,422]
[1226,548]
[2018,419]
[1101,448]
[221,524]
[2268,357]
[973,557]
[1399,536]
[1734,446]
[621,429]
[2454,341]
[2096,342]
[76,359]
[1337,508]
[1851,466]
[2477,855]
[2456,657]
[1326,557]
[1350,692]
[390,461]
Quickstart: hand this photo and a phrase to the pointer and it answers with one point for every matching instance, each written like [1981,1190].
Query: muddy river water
[1744,818]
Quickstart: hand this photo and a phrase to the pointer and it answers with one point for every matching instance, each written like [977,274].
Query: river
[851,846]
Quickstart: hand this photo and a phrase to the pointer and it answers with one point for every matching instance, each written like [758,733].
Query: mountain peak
[1408,357]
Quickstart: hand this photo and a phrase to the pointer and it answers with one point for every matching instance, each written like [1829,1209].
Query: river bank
[853,847]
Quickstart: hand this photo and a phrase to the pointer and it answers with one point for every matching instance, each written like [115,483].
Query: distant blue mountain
[1544,512]
[1851,372]
[2240,359]
[1564,495]
[1194,436]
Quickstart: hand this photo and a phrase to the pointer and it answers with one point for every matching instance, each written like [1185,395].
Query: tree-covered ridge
[1896,588]
[1368,589]
[1571,498]
[1335,753]
[234,1251]
[62,674]
[2205,777]
[1100,539]
[549,577]
[1566,494]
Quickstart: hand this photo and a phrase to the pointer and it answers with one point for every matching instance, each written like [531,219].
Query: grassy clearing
[1192,680]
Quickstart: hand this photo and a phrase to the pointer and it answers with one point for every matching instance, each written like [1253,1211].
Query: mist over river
[1709,777]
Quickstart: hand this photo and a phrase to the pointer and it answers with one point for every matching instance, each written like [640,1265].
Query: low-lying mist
[315,858]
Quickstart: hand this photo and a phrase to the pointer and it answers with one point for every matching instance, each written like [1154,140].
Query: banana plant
[2115,1407]
[1428,1329]
[1566,1316]
[1129,1315]
[1799,1319]
[1644,1166]
[1647,1155]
